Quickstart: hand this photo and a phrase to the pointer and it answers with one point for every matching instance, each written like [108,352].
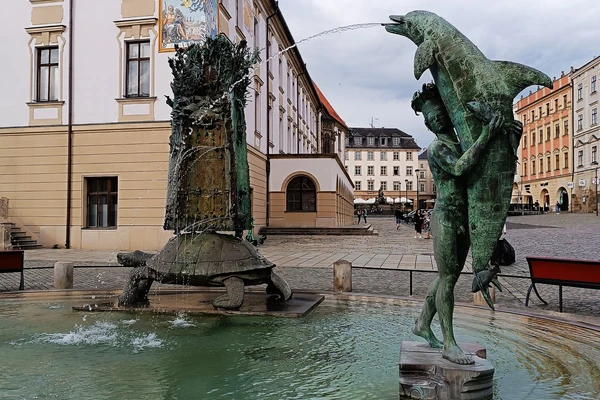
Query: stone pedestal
[478,299]
[63,275]
[426,375]
[342,276]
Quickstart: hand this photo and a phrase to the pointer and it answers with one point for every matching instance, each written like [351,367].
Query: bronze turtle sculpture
[202,259]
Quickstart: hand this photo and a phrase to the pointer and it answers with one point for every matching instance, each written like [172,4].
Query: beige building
[427,189]
[586,136]
[546,157]
[385,158]
[85,130]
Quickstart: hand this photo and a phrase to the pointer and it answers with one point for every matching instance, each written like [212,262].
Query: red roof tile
[329,107]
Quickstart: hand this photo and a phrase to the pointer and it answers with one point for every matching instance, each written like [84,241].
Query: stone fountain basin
[347,347]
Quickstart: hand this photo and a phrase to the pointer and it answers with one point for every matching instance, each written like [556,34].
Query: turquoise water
[342,350]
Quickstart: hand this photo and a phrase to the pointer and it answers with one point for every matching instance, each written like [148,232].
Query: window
[370,141]
[422,187]
[102,202]
[548,134]
[532,138]
[541,136]
[547,108]
[301,195]
[557,161]
[594,153]
[383,156]
[524,169]
[580,91]
[580,158]
[370,186]
[383,185]
[397,186]
[383,171]
[548,165]
[345,154]
[409,171]
[422,174]
[594,116]
[434,188]
[593,85]
[47,74]
[566,160]
[357,185]
[533,167]
[357,170]
[370,156]
[566,130]
[409,185]
[540,111]
[383,141]
[532,115]
[557,131]
[580,122]
[409,156]
[357,155]
[396,156]
[565,101]
[396,141]
[138,69]
[524,119]
[524,141]
[555,105]
[370,170]
[396,171]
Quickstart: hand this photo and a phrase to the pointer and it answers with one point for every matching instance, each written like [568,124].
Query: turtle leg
[234,298]
[137,286]
[277,285]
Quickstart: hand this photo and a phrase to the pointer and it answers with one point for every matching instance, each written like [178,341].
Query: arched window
[301,195]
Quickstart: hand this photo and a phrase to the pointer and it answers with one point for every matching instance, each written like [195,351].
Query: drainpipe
[572,141]
[70,129]
[268,163]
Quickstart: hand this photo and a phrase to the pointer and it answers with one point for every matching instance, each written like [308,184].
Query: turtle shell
[207,255]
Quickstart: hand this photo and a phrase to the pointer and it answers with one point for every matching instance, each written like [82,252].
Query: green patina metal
[208,180]
[469,84]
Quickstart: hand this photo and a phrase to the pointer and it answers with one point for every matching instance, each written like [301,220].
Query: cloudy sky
[368,73]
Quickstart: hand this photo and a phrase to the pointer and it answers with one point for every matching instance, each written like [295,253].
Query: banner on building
[183,22]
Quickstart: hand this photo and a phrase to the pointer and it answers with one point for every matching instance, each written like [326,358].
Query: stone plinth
[426,375]
[63,275]
[478,299]
[342,276]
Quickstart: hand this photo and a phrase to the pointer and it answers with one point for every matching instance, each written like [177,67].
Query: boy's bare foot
[426,333]
[457,356]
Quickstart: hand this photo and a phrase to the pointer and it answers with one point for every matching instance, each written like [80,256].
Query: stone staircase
[19,239]
[363,230]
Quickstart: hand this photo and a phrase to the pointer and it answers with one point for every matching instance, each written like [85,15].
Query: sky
[368,73]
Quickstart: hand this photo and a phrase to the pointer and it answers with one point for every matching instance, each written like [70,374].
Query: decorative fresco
[183,22]
[249,17]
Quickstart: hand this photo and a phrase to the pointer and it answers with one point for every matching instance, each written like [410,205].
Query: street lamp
[417,173]
[405,194]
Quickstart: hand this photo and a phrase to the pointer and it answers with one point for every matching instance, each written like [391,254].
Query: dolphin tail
[518,76]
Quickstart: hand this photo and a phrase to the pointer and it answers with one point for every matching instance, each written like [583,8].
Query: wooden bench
[13,261]
[562,272]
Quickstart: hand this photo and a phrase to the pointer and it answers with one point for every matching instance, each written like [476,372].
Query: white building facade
[586,135]
[385,158]
[85,129]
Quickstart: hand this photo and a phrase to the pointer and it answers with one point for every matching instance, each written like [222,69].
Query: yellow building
[85,129]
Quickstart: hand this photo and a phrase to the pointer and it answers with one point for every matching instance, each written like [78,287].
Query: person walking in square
[398,216]
[358,214]
[364,214]
[418,224]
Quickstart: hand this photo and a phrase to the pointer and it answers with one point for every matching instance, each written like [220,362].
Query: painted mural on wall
[183,22]
[249,17]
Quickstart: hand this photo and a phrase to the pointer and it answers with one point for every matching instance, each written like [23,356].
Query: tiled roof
[329,107]
[358,139]
[423,155]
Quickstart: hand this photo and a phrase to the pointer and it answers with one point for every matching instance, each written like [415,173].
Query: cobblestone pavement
[306,262]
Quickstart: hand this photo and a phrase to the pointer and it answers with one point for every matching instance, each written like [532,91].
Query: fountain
[347,347]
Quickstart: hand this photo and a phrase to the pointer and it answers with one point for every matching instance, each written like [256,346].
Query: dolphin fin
[424,57]
[518,76]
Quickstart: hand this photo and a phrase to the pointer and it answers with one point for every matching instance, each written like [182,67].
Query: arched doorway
[301,195]
[563,199]
[545,200]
